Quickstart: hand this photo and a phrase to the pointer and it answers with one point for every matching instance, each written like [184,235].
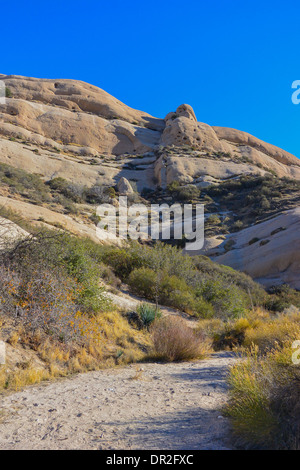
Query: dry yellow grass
[18,379]
[258,327]
[264,399]
[110,341]
[272,332]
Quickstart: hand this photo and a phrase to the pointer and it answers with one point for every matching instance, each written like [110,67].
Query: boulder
[124,187]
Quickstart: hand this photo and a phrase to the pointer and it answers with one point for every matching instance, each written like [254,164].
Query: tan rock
[81,119]
[10,232]
[77,131]
[43,216]
[78,96]
[185,131]
[190,169]
[274,258]
[243,138]
[185,110]
[124,187]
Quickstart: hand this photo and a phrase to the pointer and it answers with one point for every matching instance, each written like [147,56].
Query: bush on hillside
[264,401]
[143,281]
[148,314]
[228,300]
[173,341]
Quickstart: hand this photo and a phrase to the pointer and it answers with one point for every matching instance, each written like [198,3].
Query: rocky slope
[76,131]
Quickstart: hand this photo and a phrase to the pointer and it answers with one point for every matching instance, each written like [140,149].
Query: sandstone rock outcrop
[70,122]
[269,251]
[243,138]
[73,130]
[124,187]
[182,128]
[10,232]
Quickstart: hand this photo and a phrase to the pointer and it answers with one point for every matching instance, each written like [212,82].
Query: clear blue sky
[234,61]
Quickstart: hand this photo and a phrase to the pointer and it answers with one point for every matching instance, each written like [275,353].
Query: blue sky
[234,61]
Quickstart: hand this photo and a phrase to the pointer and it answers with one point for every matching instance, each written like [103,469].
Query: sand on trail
[150,406]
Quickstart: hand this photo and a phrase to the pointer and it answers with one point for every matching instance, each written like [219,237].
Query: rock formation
[76,131]
[124,187]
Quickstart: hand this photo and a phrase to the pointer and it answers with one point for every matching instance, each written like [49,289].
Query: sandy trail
[164,406]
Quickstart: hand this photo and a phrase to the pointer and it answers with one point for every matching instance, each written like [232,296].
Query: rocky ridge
[76,131]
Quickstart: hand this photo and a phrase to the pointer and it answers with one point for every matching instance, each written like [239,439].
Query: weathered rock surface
[124,187]
[43,216]
[269,252]
[243,138]
[77,131]
[10,232]
[81,121]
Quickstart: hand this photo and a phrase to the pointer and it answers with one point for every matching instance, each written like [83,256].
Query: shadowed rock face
[77,131]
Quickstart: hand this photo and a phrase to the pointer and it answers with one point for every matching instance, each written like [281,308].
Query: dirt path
[163,406]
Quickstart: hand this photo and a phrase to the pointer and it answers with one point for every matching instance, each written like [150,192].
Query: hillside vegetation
[52,302]
[56,316]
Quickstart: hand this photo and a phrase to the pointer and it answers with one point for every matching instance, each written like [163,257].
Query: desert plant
[174,340]
[148,314]
[142,281]
[8,93]
[229,301]
[264,400]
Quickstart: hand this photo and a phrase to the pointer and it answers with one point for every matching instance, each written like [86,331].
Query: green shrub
[8,93]
[123,261]
[143,281]
[176,293]
[184,193]
[58,184]
[148,314]
[98,194]
[228,301]
[203,309]
[70,255]
[253,240]
[72,191]
[28,185]
[237,225]
[213,219]
[188,193]
[174,186]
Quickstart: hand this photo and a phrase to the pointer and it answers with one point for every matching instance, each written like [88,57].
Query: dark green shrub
[228,301]
[123,260]
[203,309]
[143,282]
[71,191]
[148,314]
[8,93]
[176,293]
[58,184]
